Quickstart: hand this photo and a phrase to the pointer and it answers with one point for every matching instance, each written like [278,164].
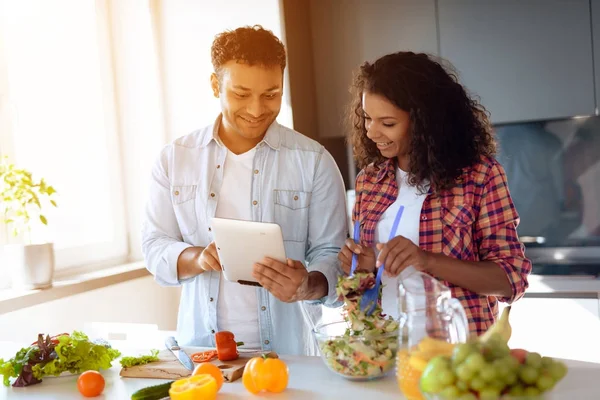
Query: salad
[368,346]
[73,353]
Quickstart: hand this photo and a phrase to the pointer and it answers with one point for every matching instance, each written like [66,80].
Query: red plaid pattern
[475,221]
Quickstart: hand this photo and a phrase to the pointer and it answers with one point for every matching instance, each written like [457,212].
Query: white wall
[140,301]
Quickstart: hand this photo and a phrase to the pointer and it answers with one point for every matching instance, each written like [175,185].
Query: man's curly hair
[448,129]
[252,45]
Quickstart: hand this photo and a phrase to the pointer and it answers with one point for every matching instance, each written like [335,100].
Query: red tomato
[90,383]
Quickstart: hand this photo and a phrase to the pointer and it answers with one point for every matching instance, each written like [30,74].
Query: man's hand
[286,281]
[366,257]
[399,253]
[209,258]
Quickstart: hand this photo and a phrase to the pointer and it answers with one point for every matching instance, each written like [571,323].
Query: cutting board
[168,367]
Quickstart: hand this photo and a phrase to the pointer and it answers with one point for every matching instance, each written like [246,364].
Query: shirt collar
[272,136]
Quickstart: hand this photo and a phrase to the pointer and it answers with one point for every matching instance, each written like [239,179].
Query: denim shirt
[295,184]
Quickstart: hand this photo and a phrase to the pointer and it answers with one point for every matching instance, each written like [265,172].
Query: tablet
[240,244]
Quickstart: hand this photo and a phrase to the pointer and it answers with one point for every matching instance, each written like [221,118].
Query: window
[62,123]
[90,90]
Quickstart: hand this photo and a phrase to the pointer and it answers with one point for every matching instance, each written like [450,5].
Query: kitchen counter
[309,379]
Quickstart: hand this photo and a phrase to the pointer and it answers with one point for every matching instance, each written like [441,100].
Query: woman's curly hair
[449,129]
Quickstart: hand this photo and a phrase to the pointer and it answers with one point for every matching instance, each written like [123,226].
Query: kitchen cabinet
[557,327]
[527,60]
[595,10]
[347,33]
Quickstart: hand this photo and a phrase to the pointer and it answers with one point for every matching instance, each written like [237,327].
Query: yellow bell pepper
[202,386]
[270,374]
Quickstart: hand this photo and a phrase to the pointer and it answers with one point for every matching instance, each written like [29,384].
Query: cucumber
[156,392]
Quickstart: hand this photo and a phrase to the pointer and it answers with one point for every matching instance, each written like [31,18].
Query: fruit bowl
[356,357]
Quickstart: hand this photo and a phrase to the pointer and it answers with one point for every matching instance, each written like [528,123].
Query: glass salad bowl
[365,356]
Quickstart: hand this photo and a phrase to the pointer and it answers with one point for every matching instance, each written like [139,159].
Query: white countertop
[309,379]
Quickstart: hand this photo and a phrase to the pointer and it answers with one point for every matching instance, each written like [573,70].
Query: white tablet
[240,244]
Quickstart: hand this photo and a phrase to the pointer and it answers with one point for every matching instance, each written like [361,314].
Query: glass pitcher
[430,322]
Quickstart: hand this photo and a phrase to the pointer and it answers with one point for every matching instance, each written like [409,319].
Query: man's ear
[214,83]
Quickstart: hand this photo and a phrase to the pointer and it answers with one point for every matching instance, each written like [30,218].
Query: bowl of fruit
[490,370]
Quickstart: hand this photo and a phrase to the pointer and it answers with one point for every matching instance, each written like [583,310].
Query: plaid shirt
[475,221]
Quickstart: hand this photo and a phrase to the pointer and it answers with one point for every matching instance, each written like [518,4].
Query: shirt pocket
[184,205]
[458,222]
[291,210]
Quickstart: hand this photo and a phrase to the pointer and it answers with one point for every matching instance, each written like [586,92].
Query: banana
[500,328]
[435,346]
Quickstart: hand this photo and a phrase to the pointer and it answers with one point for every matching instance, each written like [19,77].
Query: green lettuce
[73,353]
[127,362]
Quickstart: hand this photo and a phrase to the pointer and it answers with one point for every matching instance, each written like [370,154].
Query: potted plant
[22,199]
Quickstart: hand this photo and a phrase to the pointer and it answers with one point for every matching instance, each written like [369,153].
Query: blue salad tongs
[369,299]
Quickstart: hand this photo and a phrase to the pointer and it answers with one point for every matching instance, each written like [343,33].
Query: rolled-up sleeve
[496,233]
[327,225]
[162,242]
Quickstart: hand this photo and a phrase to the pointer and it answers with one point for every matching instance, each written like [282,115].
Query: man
[246,166]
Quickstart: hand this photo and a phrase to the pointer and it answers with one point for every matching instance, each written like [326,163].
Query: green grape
[502,369]
[464,373]
[474,362]
[477,383]
[489,394]
[547,361]
[511,362]
[528,374]
[462,386]
[533,359]
[446,377]
[488,373]
[531,391]
[545,383]
[511,378]
[430,379]
[467,396]
[517,390]
[461,352]
[497,384]
[557,370]
[450,393]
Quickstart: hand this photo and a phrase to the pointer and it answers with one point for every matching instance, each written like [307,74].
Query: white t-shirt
[237,305]
[408,227]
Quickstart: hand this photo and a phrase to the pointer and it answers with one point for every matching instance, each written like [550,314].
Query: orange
[211,369]
[408,377]
[90,383]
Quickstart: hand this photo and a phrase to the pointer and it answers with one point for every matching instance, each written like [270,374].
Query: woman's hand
[366,257]
[399,253]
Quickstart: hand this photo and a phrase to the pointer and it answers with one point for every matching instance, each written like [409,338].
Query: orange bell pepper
[202,386]
[269,374]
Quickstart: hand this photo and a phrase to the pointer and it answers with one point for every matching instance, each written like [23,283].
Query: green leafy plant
[23,199]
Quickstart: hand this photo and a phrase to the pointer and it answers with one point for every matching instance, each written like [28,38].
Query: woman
[425,146]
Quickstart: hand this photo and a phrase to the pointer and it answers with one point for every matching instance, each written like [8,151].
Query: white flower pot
[31,266]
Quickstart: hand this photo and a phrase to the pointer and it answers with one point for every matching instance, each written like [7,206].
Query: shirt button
[423,217]
[209,229]
[177,193]
[212,331]
[218,166]
[267,342]
[211,299]
[263,308]
[256,171]
[295,197]
[255,202]
[212,195]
